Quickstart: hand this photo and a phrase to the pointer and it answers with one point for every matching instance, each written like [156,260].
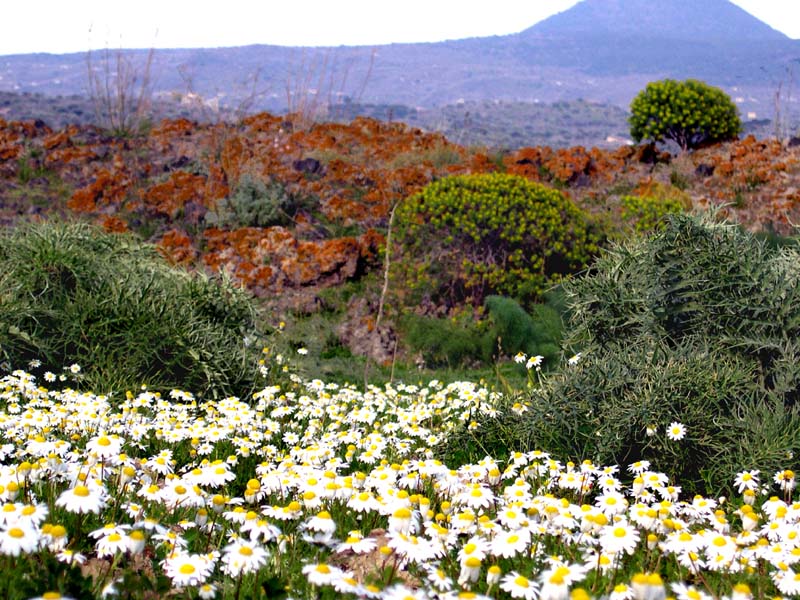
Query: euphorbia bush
[646,209]
[466,237]
[691,113]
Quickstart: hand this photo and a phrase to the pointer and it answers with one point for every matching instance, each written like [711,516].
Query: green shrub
[71,293]
[466,237]
[698,323]
[646,213]
[446,342]
[690,113]
[537,333]
[256,203]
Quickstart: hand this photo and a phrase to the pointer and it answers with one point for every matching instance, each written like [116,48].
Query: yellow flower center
[81,491]
[473,562]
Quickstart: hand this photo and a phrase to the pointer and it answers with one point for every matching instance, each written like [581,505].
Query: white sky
[59,26]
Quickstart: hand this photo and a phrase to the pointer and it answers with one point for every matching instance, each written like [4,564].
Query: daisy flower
[619,537]
[519,586]
[787,582]
[18,539]
[414,549]
[188,569]
[476,497]
[493,576]
[322,574]
[321,523]
[112,543]
[534,361]
[785,479]
[105,446]
[81,499]
[402,521]
[639,467]
[574,360]
[688,592]
[470,570]
[357,543]
[648,586]
[508,544]
[747,480]
[554,587]
[621,591]
[243,556]
[676,431]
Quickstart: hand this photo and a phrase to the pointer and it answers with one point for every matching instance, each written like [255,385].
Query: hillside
[602,51]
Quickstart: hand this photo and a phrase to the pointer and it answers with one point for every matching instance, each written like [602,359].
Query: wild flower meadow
[315,490]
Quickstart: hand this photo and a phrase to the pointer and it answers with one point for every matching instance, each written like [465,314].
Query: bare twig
[120,91]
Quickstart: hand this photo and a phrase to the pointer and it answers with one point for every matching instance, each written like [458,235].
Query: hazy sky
[76,25]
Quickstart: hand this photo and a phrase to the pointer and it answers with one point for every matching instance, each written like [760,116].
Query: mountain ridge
[676,19]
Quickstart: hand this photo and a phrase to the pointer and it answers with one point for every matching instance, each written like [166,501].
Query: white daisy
[676,431]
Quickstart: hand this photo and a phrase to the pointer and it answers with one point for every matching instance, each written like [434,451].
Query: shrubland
[240,470]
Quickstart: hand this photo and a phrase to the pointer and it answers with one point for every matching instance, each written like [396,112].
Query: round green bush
[466,237]
[690,113]
[72,293]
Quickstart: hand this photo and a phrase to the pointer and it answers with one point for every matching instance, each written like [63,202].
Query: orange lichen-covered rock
[113,224]
[333,261]
[108,189]
[11,141]
[170,128]
[292,263]
[60,138]
[177,247]
[172,195]
[69,154]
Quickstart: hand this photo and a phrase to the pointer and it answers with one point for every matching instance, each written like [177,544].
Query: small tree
[691,113]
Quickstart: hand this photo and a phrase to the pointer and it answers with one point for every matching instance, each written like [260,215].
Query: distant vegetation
[500,125]
[507,124]
[60,111]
